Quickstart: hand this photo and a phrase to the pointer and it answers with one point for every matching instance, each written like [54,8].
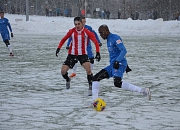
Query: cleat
[72,75]
[68,84]
[11,54]
[147,93]
[89,92]
[91,105]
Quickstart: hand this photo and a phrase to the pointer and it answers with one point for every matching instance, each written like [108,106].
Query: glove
[12,35]
[116,65]
[57,51]
[67,47]
[128,69]
[100,44]
[98,57]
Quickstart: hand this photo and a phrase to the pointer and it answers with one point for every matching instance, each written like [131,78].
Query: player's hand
[98,57]
[128,69]
[116,65]
[100,44]
[57,51]
[12,35]
[67,47]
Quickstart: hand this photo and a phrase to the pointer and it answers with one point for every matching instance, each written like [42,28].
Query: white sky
[60,25]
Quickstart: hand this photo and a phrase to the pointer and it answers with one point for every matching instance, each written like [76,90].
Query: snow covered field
[33,94]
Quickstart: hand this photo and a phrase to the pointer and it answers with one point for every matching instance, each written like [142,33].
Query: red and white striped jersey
[79,41]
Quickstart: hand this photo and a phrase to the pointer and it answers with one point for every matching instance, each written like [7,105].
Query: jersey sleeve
[69,41]
[9,25]
[121,47]
[90,29]
[68,35]
[93,38]
[96,36]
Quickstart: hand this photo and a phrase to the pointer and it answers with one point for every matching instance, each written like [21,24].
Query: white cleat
[147,93]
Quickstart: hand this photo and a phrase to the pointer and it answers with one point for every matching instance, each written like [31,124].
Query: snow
[60,25]
[33,93]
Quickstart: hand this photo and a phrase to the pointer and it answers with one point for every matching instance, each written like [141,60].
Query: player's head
[78,23]
[1,14]
[83,20]
[104,31]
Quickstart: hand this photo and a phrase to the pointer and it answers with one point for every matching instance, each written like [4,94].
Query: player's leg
[74,70]
[6,39]
[69,63]
[127,86]
[90,55]
[84,61]
[92,62]
[96,78]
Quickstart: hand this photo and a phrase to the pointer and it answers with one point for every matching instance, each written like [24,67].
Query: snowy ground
[33,94]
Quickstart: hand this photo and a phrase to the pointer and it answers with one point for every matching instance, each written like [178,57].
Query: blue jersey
[4,25]
[117,52]
[89,47]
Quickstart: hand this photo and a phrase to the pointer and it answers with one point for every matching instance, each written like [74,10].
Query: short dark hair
[82,17]
[104,27]
[77,19]
[1,12]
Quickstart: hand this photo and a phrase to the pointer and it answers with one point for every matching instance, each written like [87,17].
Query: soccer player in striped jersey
[89,52]
[77,51]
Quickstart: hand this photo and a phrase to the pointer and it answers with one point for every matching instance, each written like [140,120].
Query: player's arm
[96,36]
[93,38]
[68,35]
[63,41]
[90,29]
[9,25]
[121,47]
[118,42]
[68,43]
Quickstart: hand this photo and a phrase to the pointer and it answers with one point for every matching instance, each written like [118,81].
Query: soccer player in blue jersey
[117,66]
[4,25]
[89,51]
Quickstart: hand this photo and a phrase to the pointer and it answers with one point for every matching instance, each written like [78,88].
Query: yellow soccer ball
[99,104]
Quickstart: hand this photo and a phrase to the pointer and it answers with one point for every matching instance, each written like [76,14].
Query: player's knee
[100,75]
[117,82]
[91,60]
[95,78]
[7,42]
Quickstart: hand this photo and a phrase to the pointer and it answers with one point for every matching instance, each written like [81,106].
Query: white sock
[95,90]
[92,66]
[75,68]
[9,48]
[131,87]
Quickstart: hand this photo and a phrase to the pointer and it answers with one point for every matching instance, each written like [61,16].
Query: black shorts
[71,60]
